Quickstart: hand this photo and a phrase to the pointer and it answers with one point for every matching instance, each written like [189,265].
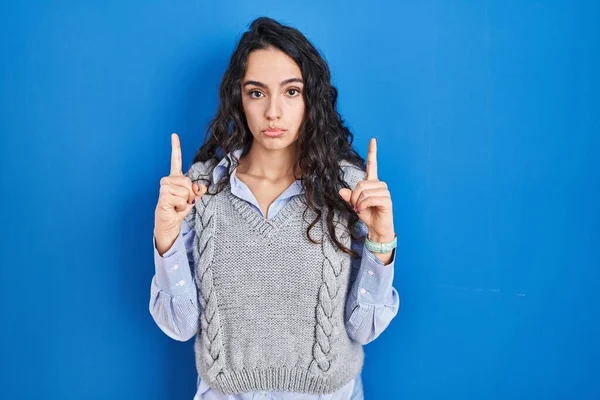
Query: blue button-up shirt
[370,306]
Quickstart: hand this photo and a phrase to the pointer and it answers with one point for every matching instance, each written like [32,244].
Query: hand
[372,201]
[176,198]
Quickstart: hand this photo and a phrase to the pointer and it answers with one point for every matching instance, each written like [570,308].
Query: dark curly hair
[323,140]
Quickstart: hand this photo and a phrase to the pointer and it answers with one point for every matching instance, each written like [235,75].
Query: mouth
[274,132]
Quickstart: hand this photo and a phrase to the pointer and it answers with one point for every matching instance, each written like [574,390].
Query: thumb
[346,194]
[199,189]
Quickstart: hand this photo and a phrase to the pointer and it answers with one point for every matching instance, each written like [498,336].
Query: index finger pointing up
[372,161]
[175,155]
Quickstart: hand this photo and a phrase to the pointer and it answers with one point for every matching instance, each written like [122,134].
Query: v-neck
[240,189]
[266,227]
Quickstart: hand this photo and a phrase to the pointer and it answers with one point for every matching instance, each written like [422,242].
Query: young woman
[275,250]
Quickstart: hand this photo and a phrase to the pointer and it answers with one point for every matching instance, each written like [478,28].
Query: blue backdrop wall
[487,119]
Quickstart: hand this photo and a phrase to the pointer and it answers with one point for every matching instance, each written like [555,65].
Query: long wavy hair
[323,139]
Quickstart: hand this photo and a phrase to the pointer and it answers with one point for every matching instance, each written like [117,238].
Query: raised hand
[372,201]
[176,199]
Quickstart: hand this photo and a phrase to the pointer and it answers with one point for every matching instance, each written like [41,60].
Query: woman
[276,249]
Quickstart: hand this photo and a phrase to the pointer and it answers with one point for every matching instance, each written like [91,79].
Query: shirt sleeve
[372,301]
[173,296]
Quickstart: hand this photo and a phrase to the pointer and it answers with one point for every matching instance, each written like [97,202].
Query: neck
[267,164]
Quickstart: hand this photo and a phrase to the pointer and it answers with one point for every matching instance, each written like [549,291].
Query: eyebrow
[262,85]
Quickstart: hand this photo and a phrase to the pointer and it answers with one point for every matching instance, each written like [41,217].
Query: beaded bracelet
[381,247]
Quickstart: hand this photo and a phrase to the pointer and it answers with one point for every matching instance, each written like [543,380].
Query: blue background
[487,120]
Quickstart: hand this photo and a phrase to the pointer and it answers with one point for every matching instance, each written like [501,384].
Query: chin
[275,142]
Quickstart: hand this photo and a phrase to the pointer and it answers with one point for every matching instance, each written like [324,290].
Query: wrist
[164,241]
[384,238]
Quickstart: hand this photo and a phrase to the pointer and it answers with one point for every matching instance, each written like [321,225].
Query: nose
[273,110]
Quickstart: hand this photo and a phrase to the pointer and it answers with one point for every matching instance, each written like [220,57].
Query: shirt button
[370,272]
[363,291]
[180,283]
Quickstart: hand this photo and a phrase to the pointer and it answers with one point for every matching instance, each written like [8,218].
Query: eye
[254,91]
[293,90]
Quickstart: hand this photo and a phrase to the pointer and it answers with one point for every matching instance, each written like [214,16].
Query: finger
[198,187]
[356,193]
[175,155]
[372,185]
[372,160]
[379,192]
[375,201]
[201,189]
[346,194]
[365,185]
[176,202]
[184,182]
[177,191]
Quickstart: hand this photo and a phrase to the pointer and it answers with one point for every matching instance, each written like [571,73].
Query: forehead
[271,66]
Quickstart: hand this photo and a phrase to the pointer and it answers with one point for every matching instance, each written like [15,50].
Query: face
[272,98]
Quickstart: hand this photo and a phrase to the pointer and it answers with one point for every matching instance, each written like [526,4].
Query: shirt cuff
[173,273]
[373,284]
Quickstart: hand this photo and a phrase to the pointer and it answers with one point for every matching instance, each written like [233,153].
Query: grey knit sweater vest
[272,302]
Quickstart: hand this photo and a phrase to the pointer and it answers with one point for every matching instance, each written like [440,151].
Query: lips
[273,132]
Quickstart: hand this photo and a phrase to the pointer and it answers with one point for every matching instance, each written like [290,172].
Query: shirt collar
[221,168]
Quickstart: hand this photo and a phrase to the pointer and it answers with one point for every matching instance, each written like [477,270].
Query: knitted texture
[272,302]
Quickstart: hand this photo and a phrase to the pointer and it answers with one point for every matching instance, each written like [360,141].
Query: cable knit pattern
[328,301]
[330,295]
[203,251]
[272,302]
[210,327]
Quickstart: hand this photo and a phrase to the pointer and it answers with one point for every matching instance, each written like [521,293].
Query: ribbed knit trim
[262,225]
[272,379]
